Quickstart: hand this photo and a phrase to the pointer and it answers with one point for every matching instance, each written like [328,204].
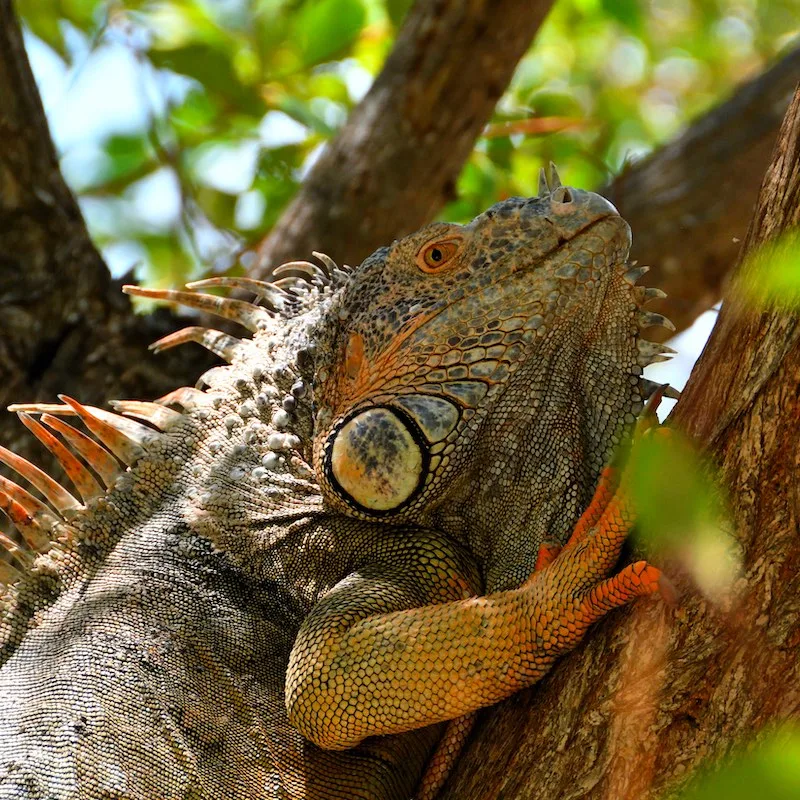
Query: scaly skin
[338,537]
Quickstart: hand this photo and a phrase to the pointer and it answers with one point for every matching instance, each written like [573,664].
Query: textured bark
[396,161]
[655,693]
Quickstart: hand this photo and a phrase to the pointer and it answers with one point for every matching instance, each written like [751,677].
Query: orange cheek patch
[361,374]
[354,358]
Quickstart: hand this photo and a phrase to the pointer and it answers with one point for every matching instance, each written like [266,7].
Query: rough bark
[655,693]
[395,162]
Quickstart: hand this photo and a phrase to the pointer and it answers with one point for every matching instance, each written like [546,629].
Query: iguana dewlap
[336,538]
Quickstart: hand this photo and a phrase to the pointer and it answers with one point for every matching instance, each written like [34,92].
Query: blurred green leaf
[770,771]
[627,12]
[48,28]
[397,10]
[671,488]
[772,273]
[680,509]
[219,206]
[127,156]
[500,151]
[325,27]
[45,18]
[212,68]
[195,118]
[329,85]
[302,112]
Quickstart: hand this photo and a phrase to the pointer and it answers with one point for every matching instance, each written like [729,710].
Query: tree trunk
[654,693]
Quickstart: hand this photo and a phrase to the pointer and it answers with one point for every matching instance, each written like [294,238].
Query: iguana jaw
[557,421]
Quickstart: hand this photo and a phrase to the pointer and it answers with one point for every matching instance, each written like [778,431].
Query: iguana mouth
[566,240]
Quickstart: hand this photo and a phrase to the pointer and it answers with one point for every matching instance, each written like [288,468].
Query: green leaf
[127,156]
[680,509]
[627,12]
[213,68]
[195,117]
[397,10]
[45,18]
[48,28]
[302,112]
[769,772]
[323,29]
[772,273]
[671,488]
[500,151]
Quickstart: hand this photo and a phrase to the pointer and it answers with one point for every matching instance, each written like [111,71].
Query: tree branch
[690,202]
[66,326]
[396,161]
[50,268]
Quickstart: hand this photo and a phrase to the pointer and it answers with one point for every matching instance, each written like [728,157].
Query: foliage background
[185,126]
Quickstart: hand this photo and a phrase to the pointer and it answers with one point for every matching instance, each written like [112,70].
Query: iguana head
[450,351]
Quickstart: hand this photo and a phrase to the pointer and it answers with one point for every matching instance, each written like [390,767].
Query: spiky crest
[62,533]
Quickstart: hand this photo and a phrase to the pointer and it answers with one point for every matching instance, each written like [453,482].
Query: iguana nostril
[562,195]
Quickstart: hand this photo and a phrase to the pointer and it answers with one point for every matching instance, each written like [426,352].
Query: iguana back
[393,442]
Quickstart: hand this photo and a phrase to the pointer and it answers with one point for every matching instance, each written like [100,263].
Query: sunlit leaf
[626,12]
[324,28]
[680,509]
[772,273]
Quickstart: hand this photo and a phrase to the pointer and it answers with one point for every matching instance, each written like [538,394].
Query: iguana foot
[573,592]
[633,581]
[573,584]
[606,486]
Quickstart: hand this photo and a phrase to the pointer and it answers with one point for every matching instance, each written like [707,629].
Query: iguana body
[335,540]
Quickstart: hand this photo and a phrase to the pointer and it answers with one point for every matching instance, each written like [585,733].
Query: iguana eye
[436,255]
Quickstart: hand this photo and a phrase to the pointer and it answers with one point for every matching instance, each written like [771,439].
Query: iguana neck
[555,426]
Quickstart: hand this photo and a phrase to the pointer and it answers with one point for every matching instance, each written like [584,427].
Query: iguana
[286,587]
